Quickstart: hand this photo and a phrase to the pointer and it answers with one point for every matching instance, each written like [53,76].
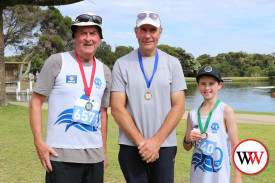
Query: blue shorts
[137,171]
[75,172]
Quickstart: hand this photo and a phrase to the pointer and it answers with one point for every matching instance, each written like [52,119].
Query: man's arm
[231,127]
[35,112]
[104,127]
[123,118]
[150,147]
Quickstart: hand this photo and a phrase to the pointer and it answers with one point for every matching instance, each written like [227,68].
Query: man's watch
[184,140]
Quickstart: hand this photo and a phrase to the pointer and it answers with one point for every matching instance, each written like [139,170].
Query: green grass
[258,113]
[19,162]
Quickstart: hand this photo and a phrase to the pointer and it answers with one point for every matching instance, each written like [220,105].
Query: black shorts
[137,171]
[75,173]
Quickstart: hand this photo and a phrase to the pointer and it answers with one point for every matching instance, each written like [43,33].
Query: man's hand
[149,150]
[44,151]
[106,163]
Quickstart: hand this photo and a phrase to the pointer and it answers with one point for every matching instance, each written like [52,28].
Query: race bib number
[207,147]
[83,116]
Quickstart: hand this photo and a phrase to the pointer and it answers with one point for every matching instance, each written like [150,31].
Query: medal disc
[89,106]
[148,95]
[204,135]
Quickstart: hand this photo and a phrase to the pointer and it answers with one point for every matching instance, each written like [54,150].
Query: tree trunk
[29,56]
[3,97]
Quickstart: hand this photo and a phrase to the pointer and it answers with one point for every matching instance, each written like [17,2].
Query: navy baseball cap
[209,71]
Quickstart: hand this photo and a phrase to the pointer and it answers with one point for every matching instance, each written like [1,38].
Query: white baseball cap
[87,19]
[148,17]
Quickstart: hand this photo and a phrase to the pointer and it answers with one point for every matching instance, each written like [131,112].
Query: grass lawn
[19,162]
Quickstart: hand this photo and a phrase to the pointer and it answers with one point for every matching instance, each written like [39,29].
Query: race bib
[207,146]
[83,116]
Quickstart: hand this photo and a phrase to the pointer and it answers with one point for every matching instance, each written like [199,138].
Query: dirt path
[241,118]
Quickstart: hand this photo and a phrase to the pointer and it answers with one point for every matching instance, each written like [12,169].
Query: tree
[54,37]
[19,27]
[3,5]
[189,65]
[205,60]
[105,54]
[50,33]
[123,50]
[271,71]
[254,71]
[3,98]
[169,50]
[20,30]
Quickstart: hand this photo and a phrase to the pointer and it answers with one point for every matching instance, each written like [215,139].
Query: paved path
[241,118]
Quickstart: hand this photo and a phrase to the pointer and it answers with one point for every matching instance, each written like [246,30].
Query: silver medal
[89,106]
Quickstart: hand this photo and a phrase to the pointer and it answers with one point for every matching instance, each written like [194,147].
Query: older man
[78,89]
[147,102]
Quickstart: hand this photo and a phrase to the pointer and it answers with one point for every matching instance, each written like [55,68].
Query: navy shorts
[75,173]
[137,171]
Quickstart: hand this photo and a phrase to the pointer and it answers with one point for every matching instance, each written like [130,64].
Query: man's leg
[94,172]
[162,170]
[65,172]
[133,168]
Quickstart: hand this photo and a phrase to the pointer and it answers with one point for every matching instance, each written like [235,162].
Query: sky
[198,26]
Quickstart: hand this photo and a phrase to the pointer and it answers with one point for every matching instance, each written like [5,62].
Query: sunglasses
[89,18]
[153,16]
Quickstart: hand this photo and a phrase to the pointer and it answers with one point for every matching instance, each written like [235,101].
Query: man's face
[148,37]
[87,39]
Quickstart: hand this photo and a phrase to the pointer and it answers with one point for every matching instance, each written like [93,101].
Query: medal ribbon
[208,118]
[87,90]
[148,82]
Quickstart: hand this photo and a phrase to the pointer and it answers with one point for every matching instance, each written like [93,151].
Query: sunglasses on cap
[153,16]
[89,18]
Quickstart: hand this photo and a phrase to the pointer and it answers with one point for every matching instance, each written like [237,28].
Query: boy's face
[209,87]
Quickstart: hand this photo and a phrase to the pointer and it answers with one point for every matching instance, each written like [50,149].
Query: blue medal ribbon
[148,82]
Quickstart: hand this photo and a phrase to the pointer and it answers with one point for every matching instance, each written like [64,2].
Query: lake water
[238,95]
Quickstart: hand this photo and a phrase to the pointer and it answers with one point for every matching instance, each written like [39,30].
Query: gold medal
[204,135]
[148,95]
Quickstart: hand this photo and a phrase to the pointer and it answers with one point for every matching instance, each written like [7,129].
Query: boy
[212,129]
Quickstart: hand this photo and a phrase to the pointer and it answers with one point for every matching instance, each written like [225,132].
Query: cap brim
[86,24]
[208,74]
[148,21]
[82,24]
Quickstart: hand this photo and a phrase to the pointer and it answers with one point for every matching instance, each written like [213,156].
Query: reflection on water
[22,96]
[238,95]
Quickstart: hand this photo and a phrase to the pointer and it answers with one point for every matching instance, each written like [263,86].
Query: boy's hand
[194,135]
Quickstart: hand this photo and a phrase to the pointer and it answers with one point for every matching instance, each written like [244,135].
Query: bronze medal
[204,135]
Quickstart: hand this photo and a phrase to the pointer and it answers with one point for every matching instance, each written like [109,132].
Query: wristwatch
[184,140]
